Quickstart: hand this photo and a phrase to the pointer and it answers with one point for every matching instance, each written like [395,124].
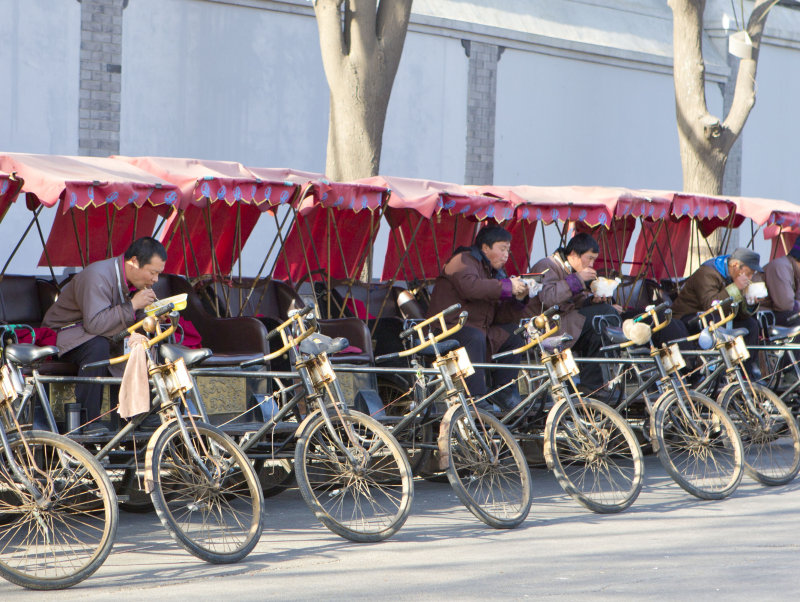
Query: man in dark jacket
[716,280]
[475,278]
[98,303]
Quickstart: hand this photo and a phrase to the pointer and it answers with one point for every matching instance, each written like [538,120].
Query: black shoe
[94,430]
[507,399]
[485,406]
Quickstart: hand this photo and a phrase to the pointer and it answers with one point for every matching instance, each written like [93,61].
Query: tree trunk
[705,141]
[361,43]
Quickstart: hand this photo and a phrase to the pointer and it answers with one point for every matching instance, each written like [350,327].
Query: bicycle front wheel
[61,539]
[594,454]
[698,445]
[487,469]
[356,479]
[769,433]
[206,492]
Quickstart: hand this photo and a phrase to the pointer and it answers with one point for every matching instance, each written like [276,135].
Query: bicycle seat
[444,347]
[777,333]
[550,344]
[733,332]
[26,354]
[318,344]
[614,334]
[172,353]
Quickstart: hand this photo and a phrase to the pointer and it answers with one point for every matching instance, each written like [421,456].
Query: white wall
[219,81]
[39,71]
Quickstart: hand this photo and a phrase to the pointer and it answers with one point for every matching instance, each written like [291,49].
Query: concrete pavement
[667,546]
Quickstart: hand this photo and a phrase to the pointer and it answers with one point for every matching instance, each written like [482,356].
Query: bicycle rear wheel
[698,445]
[62,539]
[595,455]
[487,469]
[769,433]
[364,500]
[217,519]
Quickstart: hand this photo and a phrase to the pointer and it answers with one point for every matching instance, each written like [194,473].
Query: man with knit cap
[782,276]
[716,280]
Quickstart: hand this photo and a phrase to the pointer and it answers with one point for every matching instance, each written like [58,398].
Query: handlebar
[446,332]
[287,338]
[120,336]
[149,343]
[440,316]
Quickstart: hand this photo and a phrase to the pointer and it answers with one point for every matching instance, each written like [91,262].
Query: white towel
[134,393]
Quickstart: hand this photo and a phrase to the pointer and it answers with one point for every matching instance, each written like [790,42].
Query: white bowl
[756,290]
[604,287]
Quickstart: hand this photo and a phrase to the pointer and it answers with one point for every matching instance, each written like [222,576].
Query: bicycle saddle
[318,344]
[777,333]
[733,332]
[26,354]
[444,347]
[614,334]
[172,353]
[550,344]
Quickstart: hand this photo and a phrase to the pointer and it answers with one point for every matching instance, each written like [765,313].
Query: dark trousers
[90,395]
[589,344]
[476,344]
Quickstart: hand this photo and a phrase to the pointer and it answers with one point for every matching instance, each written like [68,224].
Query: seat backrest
[270,298]
[25,299]
[637,294]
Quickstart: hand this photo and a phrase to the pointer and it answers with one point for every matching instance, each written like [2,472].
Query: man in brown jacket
[782,276]
[716,280]
[475,278]
[567,275]
[96,304]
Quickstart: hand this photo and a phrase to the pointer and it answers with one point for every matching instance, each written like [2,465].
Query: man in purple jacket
[96,304]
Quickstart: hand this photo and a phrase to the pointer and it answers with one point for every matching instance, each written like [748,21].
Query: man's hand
[742,281]
[587,274]
[518,288]
[142,298]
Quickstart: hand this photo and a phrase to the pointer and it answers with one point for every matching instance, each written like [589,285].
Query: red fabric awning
[10,187]
[333,231]
[103,203]
[221,201]
[429,220]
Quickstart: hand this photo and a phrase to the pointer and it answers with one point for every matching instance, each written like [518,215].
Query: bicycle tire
[708,463]
[364,503]
[60,543]
[603,471]
[218,520]
[496,489]
[769,434]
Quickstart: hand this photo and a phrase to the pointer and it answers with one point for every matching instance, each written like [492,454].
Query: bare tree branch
[744,97]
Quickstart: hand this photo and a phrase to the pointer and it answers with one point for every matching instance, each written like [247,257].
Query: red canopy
[429,220]
[10,187]
[332,233]
[221,202]
[116,203]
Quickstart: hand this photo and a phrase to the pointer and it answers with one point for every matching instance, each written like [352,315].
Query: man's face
[144,276]
[736,268]
[580,262]
[497,254]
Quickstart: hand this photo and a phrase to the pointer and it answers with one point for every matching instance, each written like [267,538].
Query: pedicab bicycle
[58,509]
[482,460]
[350,470]
[695,439]
[202,485]
[768,430]
[591,449]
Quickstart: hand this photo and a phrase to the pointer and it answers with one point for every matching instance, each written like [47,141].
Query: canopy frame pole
[77,236]
[34,220]
[109,232]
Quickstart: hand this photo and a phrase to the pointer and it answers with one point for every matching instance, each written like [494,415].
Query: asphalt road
[667,546]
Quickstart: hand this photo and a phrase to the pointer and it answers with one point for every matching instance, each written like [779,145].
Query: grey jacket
[96,302]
